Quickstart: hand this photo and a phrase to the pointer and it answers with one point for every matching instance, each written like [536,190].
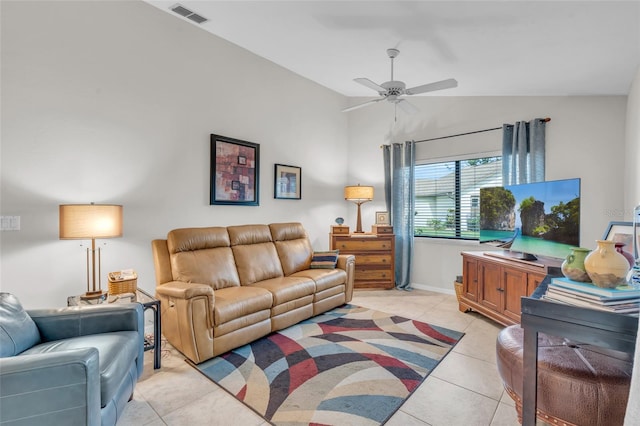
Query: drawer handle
[384,260]
[343,246]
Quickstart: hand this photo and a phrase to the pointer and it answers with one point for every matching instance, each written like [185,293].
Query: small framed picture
[287,182]
[382,218]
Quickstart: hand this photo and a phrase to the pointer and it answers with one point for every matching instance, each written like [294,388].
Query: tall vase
[606,267]
[573,265]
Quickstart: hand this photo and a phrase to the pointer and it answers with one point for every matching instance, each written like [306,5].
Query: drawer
[372,259]
[364,245]
[373,274]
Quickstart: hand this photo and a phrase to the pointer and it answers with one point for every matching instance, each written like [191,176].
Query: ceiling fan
[392,90]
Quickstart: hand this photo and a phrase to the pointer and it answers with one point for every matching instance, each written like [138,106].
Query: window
[447,197]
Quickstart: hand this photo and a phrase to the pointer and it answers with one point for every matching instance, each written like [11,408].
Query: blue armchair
[71,366]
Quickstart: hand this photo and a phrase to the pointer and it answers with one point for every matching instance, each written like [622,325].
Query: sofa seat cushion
[324,278]
[286,289]
[236,302]
[117,352]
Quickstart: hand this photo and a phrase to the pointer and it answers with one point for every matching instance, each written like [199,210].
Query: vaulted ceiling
[493,48]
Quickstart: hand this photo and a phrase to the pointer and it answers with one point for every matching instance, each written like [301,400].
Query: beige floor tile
[214,408]
[137,413]
[470,373]
[174,388]
[400,418]
[437,403]
[445,317]
[505,416]
[506,399]
[480,340]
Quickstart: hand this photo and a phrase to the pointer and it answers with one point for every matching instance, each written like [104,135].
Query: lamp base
[92,295]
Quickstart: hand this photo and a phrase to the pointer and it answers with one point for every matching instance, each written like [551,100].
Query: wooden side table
[148,302]
[605,329]
[375,258]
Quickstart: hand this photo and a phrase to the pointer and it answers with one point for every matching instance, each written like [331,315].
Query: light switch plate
[10,223]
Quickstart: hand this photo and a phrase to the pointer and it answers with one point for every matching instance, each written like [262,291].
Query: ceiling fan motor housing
[393,88]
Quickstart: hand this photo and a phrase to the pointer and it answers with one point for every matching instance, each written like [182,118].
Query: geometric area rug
[348,366]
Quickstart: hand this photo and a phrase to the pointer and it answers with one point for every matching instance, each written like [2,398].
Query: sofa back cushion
[202,255]
[293,246]
[18,332]
[254,252]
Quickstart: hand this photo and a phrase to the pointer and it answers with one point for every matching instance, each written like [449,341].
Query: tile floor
[464,389]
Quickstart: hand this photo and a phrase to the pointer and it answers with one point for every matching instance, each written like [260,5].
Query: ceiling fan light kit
[392,90]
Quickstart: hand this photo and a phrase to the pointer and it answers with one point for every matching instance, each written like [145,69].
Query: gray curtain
[523,152]
[399,171]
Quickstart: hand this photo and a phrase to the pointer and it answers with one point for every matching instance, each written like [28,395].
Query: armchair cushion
[18,332]
[116,352]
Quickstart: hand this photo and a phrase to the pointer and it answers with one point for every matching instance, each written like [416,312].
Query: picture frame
[235,172]
[382,218]
[621,232]
[287,182]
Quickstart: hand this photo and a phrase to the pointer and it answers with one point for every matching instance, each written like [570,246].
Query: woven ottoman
[577,384]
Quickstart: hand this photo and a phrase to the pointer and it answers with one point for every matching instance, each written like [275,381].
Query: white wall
[632,149]
[113,102]
[585,139]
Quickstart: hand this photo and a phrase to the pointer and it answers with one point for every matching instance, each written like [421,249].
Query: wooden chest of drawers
[375,255]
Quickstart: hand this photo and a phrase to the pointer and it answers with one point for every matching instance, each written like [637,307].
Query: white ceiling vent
[183,11]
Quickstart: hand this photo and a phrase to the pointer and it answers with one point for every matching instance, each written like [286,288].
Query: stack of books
[622,299]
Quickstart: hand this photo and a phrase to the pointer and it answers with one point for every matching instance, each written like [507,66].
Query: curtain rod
[546,120]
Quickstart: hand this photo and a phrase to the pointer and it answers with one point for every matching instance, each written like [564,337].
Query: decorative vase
[573,265]
[626,255]
[606,267]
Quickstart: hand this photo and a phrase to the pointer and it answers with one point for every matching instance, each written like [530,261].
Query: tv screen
[541,218]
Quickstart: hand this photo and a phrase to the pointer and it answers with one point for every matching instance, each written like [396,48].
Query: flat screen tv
[533,219]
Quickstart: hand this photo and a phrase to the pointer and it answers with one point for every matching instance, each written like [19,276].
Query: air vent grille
[183,11]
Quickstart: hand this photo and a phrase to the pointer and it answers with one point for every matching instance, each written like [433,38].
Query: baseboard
[432,288]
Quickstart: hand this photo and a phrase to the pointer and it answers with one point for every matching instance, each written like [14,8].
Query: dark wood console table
[600,328]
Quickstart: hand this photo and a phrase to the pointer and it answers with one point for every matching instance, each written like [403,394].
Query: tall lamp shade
[359,195]
[90,222]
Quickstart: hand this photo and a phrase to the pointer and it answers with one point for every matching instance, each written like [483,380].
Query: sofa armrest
[63,323]
[183,290]
[51,388]
[347,262]
[187,317]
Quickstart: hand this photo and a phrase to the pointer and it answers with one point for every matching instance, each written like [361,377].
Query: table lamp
[359,195]
[91,221]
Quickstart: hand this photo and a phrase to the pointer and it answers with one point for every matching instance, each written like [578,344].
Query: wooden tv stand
[493,283]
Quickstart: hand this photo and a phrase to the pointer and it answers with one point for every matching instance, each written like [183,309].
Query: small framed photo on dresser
[382,218]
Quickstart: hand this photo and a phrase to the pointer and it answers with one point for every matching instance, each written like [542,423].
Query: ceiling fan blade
[351,108]
[438,85]
[370,84]
[407,106]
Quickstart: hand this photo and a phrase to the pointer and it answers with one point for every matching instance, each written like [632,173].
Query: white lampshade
[89,221]
[358,193]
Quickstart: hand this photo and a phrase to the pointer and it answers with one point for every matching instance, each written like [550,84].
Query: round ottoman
[577,384]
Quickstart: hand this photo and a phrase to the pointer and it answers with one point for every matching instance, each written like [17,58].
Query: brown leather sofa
[223,287]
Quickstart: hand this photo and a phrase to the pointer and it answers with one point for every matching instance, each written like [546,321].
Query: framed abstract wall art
[235,171]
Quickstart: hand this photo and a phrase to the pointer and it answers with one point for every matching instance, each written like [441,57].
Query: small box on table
[339,229]
[382,229]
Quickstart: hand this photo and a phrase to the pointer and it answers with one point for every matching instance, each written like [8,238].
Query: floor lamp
[91,221]
[359,195]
